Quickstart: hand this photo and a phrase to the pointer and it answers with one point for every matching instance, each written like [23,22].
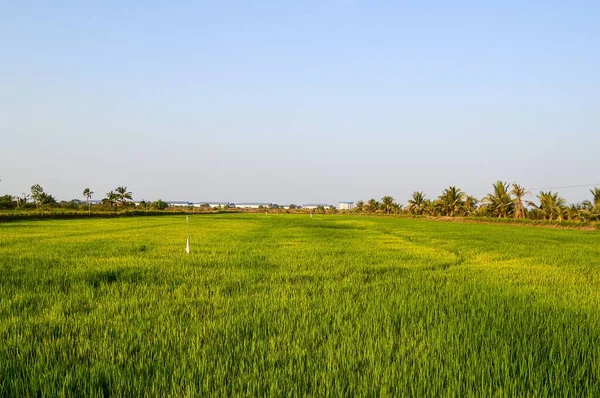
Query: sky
[298,101]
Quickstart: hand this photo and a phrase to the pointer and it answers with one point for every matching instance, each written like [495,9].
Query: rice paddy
[297,306]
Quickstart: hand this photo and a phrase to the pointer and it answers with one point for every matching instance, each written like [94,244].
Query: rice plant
[298,306]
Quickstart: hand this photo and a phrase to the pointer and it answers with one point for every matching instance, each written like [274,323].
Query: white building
[345,205]
[212,205]
[180,204]
[312,206]
[251,205]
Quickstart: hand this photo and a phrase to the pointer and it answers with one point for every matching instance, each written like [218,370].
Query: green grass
[292,305]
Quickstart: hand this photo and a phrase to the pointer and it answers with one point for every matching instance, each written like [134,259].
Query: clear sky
[298,101]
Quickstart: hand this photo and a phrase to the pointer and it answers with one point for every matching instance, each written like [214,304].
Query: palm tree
[111,198]
[123,195]
[372,206]
[579,212]
[587,205]
[451,201]
[428,207]
[551,205]
[87,194]
[519,192]
[360,206]
[416,204]
[471,203]
[387,204]
[596,194]
[499,203]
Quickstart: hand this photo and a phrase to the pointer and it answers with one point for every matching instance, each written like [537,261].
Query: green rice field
[288,305]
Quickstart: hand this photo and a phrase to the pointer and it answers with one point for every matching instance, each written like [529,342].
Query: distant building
[312,206]
[180,204]
[212,205]
[345,205]
[251,205]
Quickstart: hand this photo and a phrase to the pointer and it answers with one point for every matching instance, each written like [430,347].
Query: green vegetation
[503,202]
[296,305]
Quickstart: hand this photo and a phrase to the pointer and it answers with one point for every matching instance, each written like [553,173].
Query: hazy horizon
[321,101]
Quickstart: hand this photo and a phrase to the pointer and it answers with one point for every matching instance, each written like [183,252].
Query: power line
[563,187]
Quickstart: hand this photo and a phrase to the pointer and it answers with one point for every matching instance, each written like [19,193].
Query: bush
[159,205]
[7,202]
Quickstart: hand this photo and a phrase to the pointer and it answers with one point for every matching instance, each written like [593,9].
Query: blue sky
[311,101]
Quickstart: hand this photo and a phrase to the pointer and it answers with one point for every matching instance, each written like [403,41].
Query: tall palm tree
[123,195]
[111,198]
[551,205]
[451,201]
[499,203]
[519,192]
[372,206]
[596,194]
[387,204]
[471,203]
[87,194]
[360,206]
[416,204]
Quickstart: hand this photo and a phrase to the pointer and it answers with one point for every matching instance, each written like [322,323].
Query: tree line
[119,198]
[505,201]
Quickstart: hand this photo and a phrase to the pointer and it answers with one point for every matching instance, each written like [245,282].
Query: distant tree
[430,207]
[143,205]
[111,199]
[41,198]
[551,207]
[71,204]
[596,196]
[320,209]
[22,200]
[123,196]
[7,202]
[159,204]
[47,200]
[360,206]
[293,206]
[372,206]
[416,205]
[471,203]
[518,192]
[87,194]
[586,204]
[37,193]
[387,204]
[499,203]
[579,212]
[451,201]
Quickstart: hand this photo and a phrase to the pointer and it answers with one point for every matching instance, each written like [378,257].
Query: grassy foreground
[293,305]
